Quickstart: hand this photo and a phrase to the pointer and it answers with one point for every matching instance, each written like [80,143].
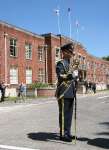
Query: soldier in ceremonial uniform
[66,91]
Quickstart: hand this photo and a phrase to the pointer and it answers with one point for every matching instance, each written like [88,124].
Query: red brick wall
[46,92]
[2,75]
[21,62]
[52,42]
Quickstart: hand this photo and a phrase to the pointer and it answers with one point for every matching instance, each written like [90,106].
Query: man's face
[67,55]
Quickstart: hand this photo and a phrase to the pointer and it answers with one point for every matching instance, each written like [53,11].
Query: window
[84,60]
[95,66]
[28,51]
[80,58]
[28,76]
[88,65]
[13,47]
[57,56]
[40,53]
[41,75]
[13,75]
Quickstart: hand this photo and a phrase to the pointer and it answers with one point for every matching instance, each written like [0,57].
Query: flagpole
[77,30]
[69,18]
[57,11]
[59,24]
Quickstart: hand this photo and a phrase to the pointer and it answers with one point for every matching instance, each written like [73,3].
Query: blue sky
[38,16]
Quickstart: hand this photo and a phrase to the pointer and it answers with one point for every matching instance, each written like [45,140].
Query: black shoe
[72,137]
[66,138]
[61,138]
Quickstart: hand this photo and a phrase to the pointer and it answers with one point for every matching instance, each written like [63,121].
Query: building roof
[20,29]
[50,34]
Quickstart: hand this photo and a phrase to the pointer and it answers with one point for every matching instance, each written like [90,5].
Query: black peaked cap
[69,47]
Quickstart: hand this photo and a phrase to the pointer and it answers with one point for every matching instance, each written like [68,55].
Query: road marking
[102,97]
[15,148]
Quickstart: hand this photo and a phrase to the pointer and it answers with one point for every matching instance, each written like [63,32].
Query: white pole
[59,24]
[77,36]
[77,30]
[69,17]
[58,19]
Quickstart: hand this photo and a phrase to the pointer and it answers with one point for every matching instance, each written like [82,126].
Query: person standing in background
[2,88]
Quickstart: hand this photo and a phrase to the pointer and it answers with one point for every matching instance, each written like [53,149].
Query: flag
[77,23]
[69,9]
[57,12]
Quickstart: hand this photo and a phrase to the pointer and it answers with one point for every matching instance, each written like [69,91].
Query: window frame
[28,50]
[29,76]
[41,54]
[41,75]
[57,55]
[14,76]
[13,47]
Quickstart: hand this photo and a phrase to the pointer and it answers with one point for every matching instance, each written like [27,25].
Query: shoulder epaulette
[59,61]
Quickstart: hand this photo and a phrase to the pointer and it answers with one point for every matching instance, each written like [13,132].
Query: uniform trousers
[67,115]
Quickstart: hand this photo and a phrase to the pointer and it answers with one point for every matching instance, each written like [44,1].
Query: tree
[106,58]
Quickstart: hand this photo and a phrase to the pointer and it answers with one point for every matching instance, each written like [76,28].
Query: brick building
[28,57]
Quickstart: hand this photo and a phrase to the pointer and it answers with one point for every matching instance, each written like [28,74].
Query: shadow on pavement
[43,136]
[104,123]
[47,137]
[100,142]
[103,133]
[54,137]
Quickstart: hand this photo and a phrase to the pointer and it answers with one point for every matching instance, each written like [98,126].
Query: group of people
[90,86]
[21,91]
